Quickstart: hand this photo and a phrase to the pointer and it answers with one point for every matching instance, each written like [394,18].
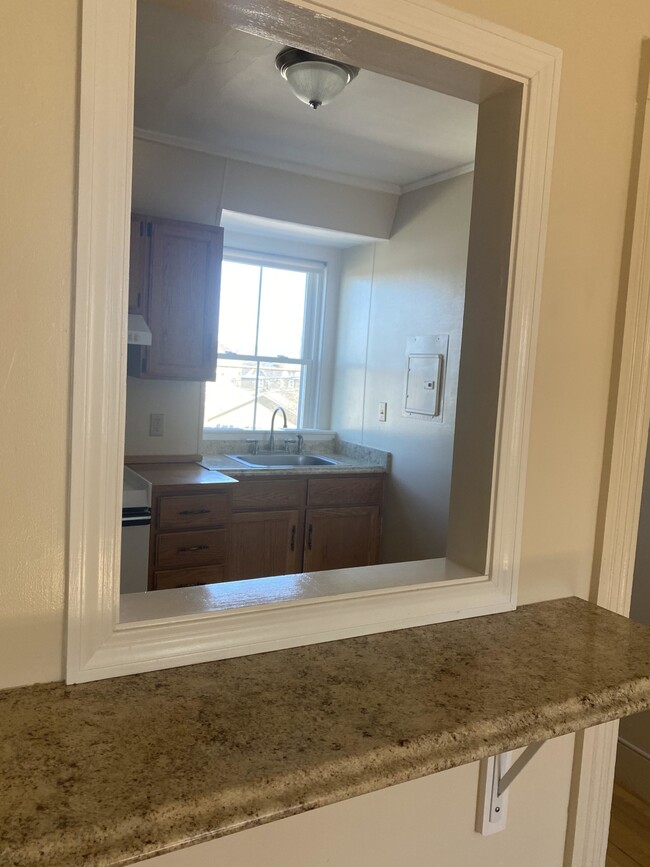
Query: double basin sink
[283,461]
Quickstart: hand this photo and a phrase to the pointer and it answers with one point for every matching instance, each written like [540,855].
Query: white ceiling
[219,89]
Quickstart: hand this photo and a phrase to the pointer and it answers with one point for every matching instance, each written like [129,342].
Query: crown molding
[268,162]
[438,178]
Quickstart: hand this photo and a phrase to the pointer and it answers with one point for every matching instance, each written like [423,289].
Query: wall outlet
[156,424]
[382,411]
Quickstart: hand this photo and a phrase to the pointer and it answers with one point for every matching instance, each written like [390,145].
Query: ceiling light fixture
[315,80]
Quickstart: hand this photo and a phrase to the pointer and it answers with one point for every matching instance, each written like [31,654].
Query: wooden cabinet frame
[161,250]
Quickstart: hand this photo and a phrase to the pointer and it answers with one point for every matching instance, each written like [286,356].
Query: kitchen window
[269,342]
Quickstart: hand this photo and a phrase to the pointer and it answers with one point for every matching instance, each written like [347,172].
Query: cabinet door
[264,543]
[341,538]
[183,308]
[138,264]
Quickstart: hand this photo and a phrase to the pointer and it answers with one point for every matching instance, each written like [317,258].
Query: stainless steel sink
[283,461]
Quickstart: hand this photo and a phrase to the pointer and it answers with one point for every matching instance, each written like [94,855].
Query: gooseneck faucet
[271,443]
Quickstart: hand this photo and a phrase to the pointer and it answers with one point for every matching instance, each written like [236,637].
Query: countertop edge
[620,677]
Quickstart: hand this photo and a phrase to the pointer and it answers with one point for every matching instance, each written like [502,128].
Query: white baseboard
[633,769]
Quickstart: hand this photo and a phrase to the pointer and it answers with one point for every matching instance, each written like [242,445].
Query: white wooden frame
[98,644]
[596,747]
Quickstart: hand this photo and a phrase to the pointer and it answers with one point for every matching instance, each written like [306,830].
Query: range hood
[138,330]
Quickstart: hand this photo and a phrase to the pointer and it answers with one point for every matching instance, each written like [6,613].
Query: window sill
[291,590]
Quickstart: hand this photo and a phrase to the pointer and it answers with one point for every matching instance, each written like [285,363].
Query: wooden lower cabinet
[341,538]
[193,548]
[264,543]
[191,577]
[266,539]
[190,532]
[263,527]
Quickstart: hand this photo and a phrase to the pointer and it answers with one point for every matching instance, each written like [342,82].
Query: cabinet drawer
[195,510]
[191,577]
[284,494]
[348,491]
[190,549]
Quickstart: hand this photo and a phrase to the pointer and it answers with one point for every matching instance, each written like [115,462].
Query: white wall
[187,185]
[412,285]
[183,184]
[182,405]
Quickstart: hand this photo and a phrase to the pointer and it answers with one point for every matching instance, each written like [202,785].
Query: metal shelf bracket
[496,775]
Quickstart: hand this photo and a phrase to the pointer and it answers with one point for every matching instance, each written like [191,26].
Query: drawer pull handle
[293,538]
[311,527]
[193,548]
[195,512]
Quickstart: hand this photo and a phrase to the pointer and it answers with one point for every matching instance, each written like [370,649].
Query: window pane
[282,312]
[230,401]
[238,307]
[279,385]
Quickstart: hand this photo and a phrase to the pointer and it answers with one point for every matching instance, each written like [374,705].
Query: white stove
[136,522]
[136,491]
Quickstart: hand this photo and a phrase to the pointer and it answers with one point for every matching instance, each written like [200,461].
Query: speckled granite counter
[222,464]
[349,457]
[116,771]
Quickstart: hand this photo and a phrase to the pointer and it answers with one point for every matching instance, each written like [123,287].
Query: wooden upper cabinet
[182,280]
[139,264]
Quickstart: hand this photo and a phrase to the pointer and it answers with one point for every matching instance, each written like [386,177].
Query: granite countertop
[117,771]
[350,457]
[344,465]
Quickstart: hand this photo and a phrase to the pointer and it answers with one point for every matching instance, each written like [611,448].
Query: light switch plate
[382,411]
[156,424]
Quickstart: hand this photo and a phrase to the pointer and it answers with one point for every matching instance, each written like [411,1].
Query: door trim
[622,483]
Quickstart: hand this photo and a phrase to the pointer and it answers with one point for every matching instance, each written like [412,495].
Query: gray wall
[412,285]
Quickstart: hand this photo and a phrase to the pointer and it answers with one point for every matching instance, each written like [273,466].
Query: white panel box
[426,358]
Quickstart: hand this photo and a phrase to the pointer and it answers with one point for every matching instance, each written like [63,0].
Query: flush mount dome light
[315,80]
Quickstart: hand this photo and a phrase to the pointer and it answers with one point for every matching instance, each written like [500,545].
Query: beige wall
[580,297]
[38,78]
[412,285]
[39,57]
[424,823]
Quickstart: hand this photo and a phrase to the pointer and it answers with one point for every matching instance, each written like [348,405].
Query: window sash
[313,325]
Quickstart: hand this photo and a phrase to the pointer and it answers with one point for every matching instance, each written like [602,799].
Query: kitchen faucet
[271,443]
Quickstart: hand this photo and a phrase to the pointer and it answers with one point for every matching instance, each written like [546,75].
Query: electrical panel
[426,358]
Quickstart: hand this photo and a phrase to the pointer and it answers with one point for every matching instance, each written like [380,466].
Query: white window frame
[312,351]
[98,644]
